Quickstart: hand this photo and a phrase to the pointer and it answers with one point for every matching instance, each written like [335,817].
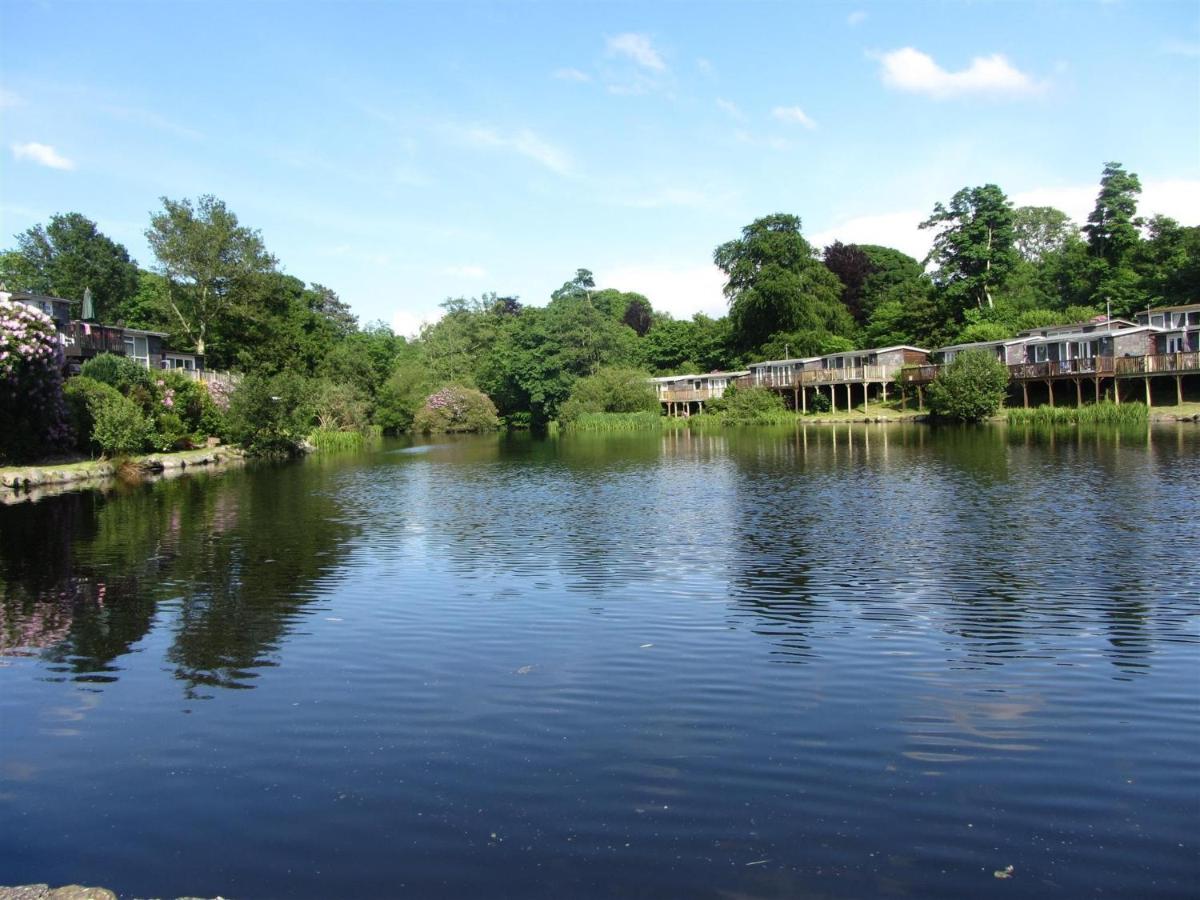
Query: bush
[404,393]
[970,388]
[33,417]
[456,409]
[81,394]
[819,403]
[118,371]
[751,406]
[120,427]
[339,407]
[610,390]
[271,416]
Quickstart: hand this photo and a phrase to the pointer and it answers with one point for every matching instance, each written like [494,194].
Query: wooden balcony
[918,374]
[812,377]
[690,395]
[1161,364]
[1096,366]
[81,343]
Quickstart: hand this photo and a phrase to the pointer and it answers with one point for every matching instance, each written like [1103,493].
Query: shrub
[120,427]
[118,371]
[610,390]
[456,409]
[397,402]
[81,394]
[752,406]
[271,416]
[33,417]
[819,403]
[970,388]
[339,407]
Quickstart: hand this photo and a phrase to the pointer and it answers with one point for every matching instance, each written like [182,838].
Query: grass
[1105,413]
[332,440]
[634,421]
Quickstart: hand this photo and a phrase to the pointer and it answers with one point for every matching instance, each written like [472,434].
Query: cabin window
[1175,343]
[136,348]
[1157,320]
[1039,352]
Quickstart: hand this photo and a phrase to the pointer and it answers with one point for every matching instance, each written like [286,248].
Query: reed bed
[1106,413]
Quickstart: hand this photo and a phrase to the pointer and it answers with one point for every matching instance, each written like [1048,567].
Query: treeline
[994,269]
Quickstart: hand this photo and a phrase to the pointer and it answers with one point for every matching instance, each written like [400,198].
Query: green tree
[1112,229]
[970,388]
[776,284]
[610,390]
[207,257]
[974,247]
[67,256]
[1040,230]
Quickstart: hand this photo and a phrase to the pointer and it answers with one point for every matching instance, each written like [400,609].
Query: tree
[852,266]
[970,388]
[776,284]
[68,256]
[33,418]
[974,249]
[581,285]
[1111,229]
[639,315]
[610,389]
[206,258]
[1041,230]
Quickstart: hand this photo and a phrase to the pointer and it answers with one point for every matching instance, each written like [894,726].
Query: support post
[1050,388]
[1147,380]
[1078,392]
[849,399]
[1097,380]
[885,392]
[1179,390]
[1025,393]
[920,399]
[803,400]
[865,386]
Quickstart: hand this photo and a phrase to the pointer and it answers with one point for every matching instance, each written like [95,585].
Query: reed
[633,421]
[1106,413]
[331,440]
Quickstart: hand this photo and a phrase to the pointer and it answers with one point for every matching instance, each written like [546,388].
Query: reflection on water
[834,661]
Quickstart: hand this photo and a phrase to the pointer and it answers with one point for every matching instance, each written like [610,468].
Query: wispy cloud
[43,155]
[856,18]
[1177,47]
[472,272]
[773,143]
[569,74]
[638,48]
[149,119]
[525,143]
[731,108]
[908,69]
[9,99]
[793,115]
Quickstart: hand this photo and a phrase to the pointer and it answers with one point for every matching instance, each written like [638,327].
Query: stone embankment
[23,478]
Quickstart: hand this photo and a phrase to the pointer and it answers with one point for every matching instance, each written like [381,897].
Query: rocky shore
[16,479]
[69,892]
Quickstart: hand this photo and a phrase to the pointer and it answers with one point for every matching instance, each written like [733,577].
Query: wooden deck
[95,340]
[1096,366]
[815,377]
[1162,364]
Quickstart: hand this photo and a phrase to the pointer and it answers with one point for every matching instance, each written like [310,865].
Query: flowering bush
[455,408]
[33,418]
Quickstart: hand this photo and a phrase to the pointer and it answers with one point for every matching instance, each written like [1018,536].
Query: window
[136,348]
[1039,352]
[1157,320]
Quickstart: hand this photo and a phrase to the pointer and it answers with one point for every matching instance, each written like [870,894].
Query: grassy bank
[333,440]
[1089,414]
[16,478]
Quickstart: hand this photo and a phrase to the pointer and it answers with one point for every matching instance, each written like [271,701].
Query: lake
[828,662]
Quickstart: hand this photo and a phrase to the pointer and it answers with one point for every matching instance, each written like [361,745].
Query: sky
[403,152]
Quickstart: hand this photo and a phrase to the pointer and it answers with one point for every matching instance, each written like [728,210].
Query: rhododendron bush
[33,419]
[455,408]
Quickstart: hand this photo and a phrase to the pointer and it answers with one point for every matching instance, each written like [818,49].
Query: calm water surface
[841,662]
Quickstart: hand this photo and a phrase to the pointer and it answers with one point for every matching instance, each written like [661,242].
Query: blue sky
[405,152]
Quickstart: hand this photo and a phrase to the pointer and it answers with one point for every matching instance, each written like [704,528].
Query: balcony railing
[807,378]
[1163,363]
[1095,365]
[83,339]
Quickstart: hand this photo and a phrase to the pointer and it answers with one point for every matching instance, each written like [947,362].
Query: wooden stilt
[1097,380]
[1179,390]
[1050,388]
[803,400]
[1078,392]
[1147,380]
[920,399]
[865,396]
[885,392]
[1025,392]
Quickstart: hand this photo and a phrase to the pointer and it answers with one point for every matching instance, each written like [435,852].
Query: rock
[78,892]
[25,892]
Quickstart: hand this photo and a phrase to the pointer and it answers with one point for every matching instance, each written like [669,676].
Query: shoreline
[17,482]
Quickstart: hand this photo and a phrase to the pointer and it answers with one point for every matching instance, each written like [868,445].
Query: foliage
[970,388]
[819,403]
[271,416]
[206,258]
[1104,413]
[751,406]
[775,284]
[67,256]
[610,390]
[338,406]
[332,440]
[623,421]
[681,346]
[402,395]
[81,395]
[120,372]
[456,409]
[33,418]
[974,247]
[1041,230]
[119,425]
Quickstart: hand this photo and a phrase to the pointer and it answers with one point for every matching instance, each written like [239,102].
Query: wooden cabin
[681,395]
[1180,328]
[57,308]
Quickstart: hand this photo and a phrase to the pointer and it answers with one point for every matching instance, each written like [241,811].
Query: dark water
[837,663]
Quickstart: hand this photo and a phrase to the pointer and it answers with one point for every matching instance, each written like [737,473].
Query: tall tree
[775,283]
[69,255]
[1040,230]
[1112,229]
[852,266]
[205,256]
[974,249]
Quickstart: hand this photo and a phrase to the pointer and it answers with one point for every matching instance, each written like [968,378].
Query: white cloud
[704,65]
[894,229]
[408,322]
[638,48]
[9,99]
[43,155]
[569,74]
[731,108]
[473,272]
[681,290]
[908,69]
[524,142]
[856,18]
[793,114]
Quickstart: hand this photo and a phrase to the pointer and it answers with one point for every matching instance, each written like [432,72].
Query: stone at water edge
[44,892]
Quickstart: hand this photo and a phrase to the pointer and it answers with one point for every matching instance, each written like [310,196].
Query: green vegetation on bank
[308,364]
[1105,413]
[969,389]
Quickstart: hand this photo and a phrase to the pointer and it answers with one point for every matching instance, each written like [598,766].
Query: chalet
[781,372]
[678,393]
[1180,328]
[1010,351]
[56,308]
